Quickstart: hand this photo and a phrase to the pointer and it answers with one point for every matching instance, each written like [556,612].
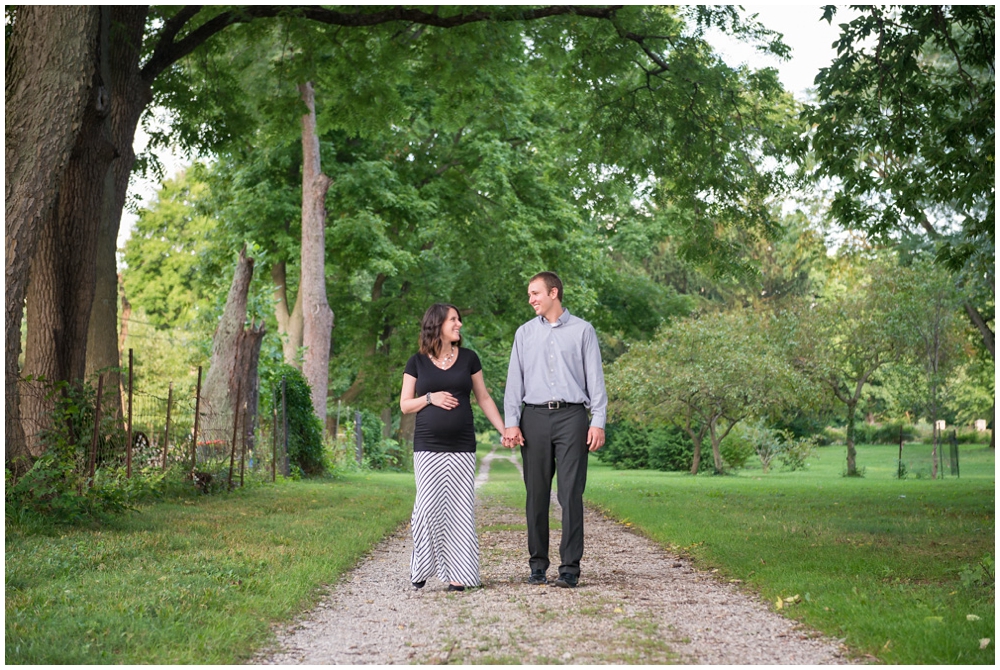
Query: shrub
[735,452]
[626,446]
[305,430]
[883,433]
[671,449]
[795,451]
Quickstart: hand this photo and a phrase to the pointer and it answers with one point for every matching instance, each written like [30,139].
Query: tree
[48,68]
[705,375]
[905,123]
[859,326]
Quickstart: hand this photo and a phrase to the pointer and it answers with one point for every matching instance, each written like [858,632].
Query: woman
[436,386]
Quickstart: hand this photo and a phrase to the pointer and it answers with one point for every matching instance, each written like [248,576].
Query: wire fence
[128,428]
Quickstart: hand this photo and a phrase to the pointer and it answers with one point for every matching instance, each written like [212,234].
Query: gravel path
[636,604]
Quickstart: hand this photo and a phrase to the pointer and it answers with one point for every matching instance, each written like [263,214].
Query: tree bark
[852,454]
[316,313]
[48,70]
[226,365]
[63,273]
[289,323]
[129,96]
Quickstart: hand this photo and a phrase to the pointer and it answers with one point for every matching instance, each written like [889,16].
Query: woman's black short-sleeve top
[440,429]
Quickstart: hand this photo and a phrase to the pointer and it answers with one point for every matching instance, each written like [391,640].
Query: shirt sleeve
[514,392]
[593,372]
[475,365]
[411,367]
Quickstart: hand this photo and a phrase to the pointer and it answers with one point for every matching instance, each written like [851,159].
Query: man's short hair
[552,281]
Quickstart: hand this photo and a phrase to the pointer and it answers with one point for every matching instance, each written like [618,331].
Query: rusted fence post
[128,429]
[92,465]
[166,430]
[274,438]
[285,469]
[358,438]
[243,445]
[197,412]
[236,428]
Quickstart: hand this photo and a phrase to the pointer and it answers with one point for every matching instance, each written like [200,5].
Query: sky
[809,37]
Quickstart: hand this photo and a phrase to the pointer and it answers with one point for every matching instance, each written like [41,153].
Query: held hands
[512,438]
[444,400]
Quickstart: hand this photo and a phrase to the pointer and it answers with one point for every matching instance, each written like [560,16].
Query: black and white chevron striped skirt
[444,522]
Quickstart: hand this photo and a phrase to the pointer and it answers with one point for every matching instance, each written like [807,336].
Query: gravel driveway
[636,604]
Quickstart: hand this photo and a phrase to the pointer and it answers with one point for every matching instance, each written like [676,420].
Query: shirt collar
[561,321]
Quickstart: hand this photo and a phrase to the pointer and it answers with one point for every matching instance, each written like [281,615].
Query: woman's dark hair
[430,328]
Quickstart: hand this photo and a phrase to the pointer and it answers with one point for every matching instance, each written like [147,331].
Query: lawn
[193,580]
[891,566]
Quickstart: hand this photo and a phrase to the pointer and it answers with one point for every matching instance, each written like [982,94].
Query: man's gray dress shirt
[555,361]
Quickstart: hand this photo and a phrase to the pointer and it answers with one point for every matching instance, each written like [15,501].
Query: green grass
[874,560]
[191,580]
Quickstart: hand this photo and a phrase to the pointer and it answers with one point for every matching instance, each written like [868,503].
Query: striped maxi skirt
[443,522]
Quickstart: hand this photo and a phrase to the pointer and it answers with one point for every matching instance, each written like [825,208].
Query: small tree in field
[705,375]
[844,339]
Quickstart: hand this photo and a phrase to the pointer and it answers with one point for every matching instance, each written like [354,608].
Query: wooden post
[284,423]
[899,465]
[274,439]
[243,445]
[166,430]
[128,430]
[236,428]
[358,438]
[197,411]
[97,429]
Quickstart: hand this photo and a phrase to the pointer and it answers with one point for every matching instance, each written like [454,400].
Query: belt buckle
[553,404]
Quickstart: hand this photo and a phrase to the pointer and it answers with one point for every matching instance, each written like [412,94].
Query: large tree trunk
[316,313]
[226,367]
[48,75]
[63,275]
[129,96]
[289,322]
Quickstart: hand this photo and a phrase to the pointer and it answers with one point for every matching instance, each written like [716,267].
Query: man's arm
[593,372]
[514,391]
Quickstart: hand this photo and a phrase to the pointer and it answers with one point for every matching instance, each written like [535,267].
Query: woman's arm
[485,401]
[409,404]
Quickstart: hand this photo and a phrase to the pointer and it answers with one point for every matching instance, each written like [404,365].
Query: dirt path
[636,604]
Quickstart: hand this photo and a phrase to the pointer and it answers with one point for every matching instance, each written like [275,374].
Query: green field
[891,566]
[193,580]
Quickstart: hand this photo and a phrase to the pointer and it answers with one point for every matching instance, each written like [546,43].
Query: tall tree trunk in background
[226,367]
[63,274]
[129,96]
[316,313]
[48,76]
[289,323]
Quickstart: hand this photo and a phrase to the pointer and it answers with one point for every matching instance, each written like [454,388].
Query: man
[555,371]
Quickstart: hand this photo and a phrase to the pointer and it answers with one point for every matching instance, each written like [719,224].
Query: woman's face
[451,328]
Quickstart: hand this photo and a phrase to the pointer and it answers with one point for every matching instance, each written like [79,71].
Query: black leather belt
[555,404]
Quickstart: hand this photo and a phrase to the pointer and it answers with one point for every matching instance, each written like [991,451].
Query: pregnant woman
[437,385]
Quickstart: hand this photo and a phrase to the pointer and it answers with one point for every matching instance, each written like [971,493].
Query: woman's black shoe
[419,585]
[455,587]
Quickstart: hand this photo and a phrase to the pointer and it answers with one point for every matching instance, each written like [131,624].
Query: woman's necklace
[445,362]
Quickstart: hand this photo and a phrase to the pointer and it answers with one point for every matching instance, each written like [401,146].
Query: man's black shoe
[537,577]
[567,580]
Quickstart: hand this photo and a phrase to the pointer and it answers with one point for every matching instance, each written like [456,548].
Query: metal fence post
[899,465]
[358,437]
[166,430]
[128,430]
[197,412]
[274,437]
[236,428]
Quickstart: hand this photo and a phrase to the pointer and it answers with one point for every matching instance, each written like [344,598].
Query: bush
[964,436]
[735,452]
[883,433]
[770,444]
[626,446]
[56,489]
[671,449]
[305,430]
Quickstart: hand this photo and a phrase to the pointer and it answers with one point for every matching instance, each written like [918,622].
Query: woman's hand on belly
[444,400]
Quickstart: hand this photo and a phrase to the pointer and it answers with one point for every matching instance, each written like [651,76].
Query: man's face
[540,298]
